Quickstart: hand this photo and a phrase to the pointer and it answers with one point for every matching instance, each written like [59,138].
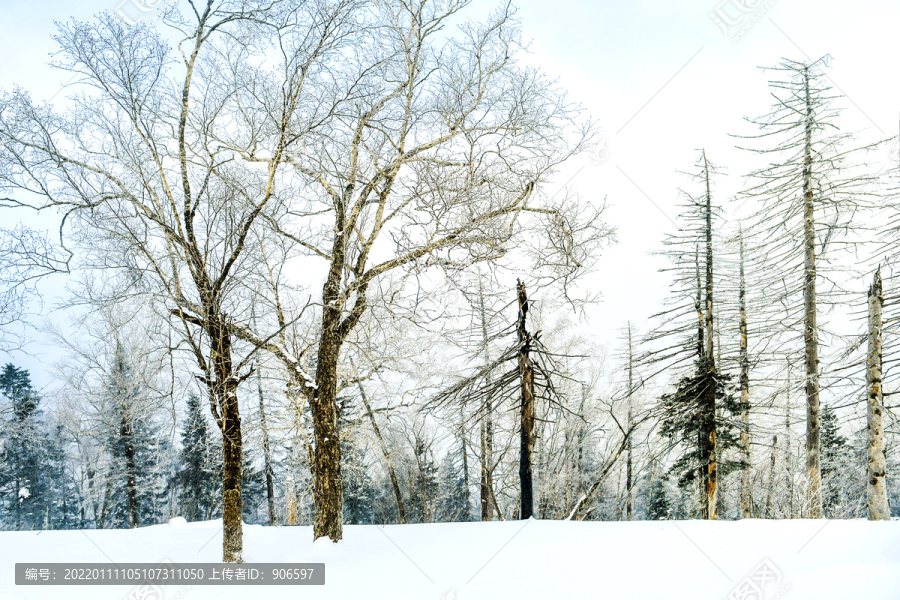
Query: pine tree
[453,503]
[659,502]
[64,494]
[198,473]
[24,481]
[136,481]
[253,487]
[834,448]
[358,489]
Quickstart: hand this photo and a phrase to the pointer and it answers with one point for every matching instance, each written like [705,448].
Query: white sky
[661,78]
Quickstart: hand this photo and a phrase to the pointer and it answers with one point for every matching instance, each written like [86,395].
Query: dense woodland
[319,269]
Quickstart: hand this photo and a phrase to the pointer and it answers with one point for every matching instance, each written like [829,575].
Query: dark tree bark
[628,457]
[709,408]
[127,440]
[526,375]
[223,394]
[771,486]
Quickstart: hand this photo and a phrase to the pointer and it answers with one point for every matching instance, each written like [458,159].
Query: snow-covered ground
[798,560]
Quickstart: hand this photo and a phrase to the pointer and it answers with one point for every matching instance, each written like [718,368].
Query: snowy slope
[675,560]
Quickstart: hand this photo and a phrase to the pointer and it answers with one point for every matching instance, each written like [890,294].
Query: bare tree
[876,488]
[438,158]
[154,166]
[808,193]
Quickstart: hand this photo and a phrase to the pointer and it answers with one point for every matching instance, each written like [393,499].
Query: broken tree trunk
[876,489]
[526,378]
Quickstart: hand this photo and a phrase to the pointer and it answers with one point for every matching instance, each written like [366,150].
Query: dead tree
[522,385]
[628,426]
[876,488]
[771,486]
[807,194]
[746,493]
[526,409]
[690,414]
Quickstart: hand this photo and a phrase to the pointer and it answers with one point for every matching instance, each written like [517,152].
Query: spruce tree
[136,448]
[198,473]
[834,449]
[24,481]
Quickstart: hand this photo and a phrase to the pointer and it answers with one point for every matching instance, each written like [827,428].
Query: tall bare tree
[807,194]
[154,166]
[876,487]
[438,158]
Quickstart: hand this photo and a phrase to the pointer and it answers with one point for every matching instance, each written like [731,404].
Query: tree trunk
[328,479]
[745,390]
[771,478]
[710,391]
[224,390]
[788,456]
[395,483]
[876,488]
[465,460]
[267,455]
[811,333]
[526,375]
[126,437]
[702,439]
[628,457]
[487,429]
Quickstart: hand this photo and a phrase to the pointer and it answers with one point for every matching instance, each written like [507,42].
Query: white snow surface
[813,559]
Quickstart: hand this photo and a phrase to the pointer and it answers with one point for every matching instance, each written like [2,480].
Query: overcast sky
[663,79]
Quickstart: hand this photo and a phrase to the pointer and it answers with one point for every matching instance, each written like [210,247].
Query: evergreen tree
[64,495]
[659,502]
[452,490]
[253,487]
[834,449]
[198,473]
[358,488]
[24,480]
[424,484]
[136,483]
[686,417]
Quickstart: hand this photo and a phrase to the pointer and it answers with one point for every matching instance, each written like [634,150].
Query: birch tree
[153,166]
[440,157]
